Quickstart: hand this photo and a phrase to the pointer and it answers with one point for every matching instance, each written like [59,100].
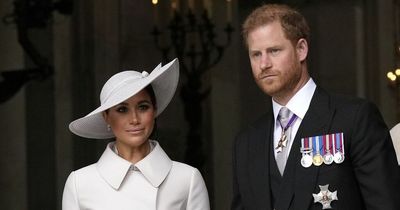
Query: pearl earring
[108,127]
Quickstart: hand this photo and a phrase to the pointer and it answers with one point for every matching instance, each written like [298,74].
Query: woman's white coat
[154,183]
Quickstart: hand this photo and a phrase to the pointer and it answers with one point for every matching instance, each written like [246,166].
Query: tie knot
[283,116]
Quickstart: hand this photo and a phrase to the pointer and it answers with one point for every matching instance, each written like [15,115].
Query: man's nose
[265,62]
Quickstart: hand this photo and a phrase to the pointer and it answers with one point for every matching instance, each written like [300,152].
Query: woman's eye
[143,107]
[122,109]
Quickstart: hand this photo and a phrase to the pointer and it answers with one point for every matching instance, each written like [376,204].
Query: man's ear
[302,49]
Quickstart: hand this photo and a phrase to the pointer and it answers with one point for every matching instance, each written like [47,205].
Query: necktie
[286,119]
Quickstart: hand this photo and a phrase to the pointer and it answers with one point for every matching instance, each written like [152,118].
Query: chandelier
[190,35]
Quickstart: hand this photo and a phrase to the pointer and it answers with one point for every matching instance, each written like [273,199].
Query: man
[313,150]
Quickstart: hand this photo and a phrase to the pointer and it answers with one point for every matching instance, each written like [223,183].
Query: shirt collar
[155,166]
[300,102]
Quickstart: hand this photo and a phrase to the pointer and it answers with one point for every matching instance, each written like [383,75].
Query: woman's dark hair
[149,89]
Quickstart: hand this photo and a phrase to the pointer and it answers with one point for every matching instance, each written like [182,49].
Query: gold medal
[318,160]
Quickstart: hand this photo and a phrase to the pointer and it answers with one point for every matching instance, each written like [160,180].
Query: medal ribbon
[322,141]
[330,147]
[341,143]
[314,145]
[292,119]
[305,146]
[338,142]
[333,141]
[318,145]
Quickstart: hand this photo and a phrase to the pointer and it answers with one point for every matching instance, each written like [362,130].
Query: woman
[133,172]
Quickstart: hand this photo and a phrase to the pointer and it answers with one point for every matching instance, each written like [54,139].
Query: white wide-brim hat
[122,86]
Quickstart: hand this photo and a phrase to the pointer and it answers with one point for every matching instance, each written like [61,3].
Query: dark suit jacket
[369,178]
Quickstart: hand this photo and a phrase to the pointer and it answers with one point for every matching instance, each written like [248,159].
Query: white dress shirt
[298,105]
[154,183]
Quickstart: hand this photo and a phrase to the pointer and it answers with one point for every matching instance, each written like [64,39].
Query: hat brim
[164,81]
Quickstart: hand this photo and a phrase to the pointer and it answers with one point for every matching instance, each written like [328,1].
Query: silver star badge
[282,143]
[325,197]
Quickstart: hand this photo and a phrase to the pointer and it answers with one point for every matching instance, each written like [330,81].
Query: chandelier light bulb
[397,72]
[391,76]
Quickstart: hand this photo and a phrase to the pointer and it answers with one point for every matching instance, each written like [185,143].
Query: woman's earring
[108,127]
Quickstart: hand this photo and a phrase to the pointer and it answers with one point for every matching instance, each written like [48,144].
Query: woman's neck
[133,154]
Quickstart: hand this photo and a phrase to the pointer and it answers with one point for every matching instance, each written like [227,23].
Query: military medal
[306,151]
[281,143]
[306,160]
[338,157]
[284,138]
[325,149]
[317,158]
[328,157]
[325,197]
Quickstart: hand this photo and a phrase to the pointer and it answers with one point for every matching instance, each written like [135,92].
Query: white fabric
[159,184]
[395,134]
[298,104]
[120,87]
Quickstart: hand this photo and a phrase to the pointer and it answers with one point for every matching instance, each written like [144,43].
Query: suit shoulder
[347,101]
[352,107]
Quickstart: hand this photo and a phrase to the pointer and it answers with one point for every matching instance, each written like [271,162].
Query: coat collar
[113,169]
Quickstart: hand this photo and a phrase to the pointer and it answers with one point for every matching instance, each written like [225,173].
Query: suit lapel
[298,180]
[259,152]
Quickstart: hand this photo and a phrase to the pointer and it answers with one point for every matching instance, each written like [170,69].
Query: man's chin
[269,89]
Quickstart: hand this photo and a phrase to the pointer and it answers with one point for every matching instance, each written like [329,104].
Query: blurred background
[55,55]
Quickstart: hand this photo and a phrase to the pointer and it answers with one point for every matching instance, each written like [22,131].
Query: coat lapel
[298,180]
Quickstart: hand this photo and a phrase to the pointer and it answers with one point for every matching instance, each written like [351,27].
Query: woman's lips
[134,130]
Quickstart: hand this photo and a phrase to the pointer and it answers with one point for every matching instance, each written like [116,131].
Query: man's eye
[256,54]
[274,51]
